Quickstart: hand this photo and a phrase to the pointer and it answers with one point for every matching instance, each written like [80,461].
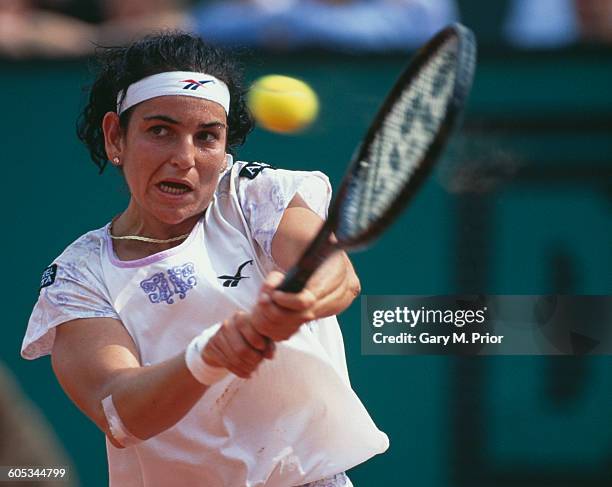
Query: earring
[116,161]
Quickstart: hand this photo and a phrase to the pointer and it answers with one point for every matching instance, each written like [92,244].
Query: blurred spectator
[65,28]
[127,20]
[347,25]
[558,23]
[51,28]
[595,19]
[26,439]
[26,30]
[85,10]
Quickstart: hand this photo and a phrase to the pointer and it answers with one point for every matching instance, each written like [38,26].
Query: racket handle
[319,250]
[295,280]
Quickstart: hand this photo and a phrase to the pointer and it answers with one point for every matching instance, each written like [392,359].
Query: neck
[133,222]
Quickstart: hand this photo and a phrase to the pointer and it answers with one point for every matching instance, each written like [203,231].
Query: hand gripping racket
[404,141]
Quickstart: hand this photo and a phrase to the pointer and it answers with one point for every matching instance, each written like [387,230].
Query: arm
[335,284]
[94,358]
[330,290]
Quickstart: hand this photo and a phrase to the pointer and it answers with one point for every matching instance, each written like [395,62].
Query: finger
[213,354]
[337,297]
[266,327]
[229,346]
[277,316]
[270,350]
[250,334]
[273,280]
[258,341]
[331,274]
[298,310]
[261,324]
[293,301]
[245,355]
[278,323]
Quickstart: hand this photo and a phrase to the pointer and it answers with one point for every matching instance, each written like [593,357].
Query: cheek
[214,166]
[135,175]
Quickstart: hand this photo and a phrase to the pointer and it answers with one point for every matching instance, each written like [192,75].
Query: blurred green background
[522,204]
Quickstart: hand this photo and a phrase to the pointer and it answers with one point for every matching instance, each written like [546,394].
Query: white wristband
[116,427]
[201,371]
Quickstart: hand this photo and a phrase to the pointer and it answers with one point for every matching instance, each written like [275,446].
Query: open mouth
[170,187]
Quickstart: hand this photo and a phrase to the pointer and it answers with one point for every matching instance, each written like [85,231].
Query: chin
[175,215]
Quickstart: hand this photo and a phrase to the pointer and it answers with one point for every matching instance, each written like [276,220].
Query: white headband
[185,83]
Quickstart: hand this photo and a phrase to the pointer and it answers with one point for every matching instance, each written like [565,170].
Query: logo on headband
[192,84]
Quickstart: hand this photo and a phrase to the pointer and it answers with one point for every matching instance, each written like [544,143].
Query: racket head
[392,161]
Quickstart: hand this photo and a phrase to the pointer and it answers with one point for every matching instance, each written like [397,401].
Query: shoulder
[72,287]
[86,245]
[80,260]
[262,193]
[85,249]
[260,182]
[250,170]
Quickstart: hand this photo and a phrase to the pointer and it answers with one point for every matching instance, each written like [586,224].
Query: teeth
[169,189]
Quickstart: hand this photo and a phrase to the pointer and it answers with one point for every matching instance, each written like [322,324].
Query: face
[172,154]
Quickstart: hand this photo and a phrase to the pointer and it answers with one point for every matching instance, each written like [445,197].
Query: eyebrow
[170,120]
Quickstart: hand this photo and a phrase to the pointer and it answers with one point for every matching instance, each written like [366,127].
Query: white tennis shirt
[295,421]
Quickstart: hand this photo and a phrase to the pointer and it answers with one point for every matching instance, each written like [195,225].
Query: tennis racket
[398,151]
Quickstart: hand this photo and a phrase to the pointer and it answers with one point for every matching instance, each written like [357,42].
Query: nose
[184,153]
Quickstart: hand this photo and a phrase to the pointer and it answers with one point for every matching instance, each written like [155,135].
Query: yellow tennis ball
[282,104]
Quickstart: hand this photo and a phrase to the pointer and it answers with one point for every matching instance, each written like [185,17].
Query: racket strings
[403,138]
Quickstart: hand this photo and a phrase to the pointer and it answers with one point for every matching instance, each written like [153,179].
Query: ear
[112,135]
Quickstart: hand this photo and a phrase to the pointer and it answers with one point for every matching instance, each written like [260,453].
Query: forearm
[155,398]
[335,284]
[95,361]
[336,293]
[152,399]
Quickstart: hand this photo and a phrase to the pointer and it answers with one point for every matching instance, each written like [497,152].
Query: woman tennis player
[164,327]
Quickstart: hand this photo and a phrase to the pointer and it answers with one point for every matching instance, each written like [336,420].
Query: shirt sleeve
[70,290]
[265,198]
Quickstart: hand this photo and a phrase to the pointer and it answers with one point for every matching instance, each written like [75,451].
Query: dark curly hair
[166,51]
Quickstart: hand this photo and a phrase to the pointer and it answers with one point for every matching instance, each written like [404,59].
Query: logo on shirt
[48,276]
[161,287]
[252,169]
[193,84]
[232,281]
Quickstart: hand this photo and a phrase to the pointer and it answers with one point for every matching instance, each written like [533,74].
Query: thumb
[273,280]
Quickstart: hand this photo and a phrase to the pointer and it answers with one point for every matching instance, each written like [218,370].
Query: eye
[208,136]
[158,130]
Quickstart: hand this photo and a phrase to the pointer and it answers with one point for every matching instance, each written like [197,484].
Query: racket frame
[323,245]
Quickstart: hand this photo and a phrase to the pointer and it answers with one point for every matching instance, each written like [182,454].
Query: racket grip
[321,247]
[295,280]
[297,277]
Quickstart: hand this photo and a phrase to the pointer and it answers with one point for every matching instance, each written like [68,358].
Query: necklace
[147,239]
